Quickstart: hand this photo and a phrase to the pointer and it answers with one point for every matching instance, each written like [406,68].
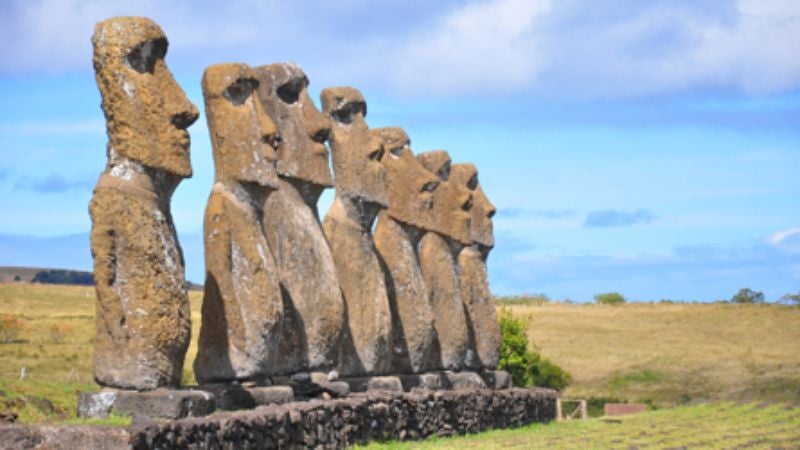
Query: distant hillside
[24,273]
[46,275]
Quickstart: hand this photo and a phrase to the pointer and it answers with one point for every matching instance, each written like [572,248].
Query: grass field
[708,426]
[669,354]
[662,354]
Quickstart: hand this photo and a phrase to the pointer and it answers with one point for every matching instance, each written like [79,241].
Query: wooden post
[22,374]
[558,409]
[584,410]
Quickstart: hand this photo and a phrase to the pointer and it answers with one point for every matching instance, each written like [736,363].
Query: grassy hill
[664,354]
[668,354]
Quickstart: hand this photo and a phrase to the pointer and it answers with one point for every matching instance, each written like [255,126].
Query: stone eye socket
[289,92]
[444,172]
[430,186]
[473,182]
[238,92]
[348,112]
[376,155]
[397,151]
[144,56]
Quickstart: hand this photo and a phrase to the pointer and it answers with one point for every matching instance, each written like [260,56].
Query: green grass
[723,425]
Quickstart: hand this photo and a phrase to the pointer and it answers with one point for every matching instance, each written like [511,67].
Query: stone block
[463,380]
[157,404]
[429,381]
[364,384]
[496,379]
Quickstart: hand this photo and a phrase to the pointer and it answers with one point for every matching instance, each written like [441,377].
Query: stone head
[481,228]
[243,136]
[302,155]
[147,113]
[451,201]
[357,152]
[410,187]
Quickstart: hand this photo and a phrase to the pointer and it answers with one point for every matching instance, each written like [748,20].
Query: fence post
[558,408]
[584,410]
[22,374]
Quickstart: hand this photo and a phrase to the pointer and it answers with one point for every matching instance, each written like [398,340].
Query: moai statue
[475,293]
[400,227]
[360,194]
[438,252]
[242,306]
[142,310]
[313,306]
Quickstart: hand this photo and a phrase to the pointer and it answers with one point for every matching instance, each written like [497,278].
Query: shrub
[10,327]
[526,367]
[609,298]
[17,278]
[58,331]
[747,295]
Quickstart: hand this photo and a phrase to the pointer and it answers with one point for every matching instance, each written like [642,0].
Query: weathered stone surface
[360,194]
[96,404]
[475,292]
[398,232]
[242,306]
[428,381]
[313,306]
[142,310]
[437,253]
[159,403]
[496,379]
[463,380]
[229,396]
[63,437]
[380,383]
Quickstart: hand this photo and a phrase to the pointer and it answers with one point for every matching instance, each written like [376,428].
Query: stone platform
[335,423]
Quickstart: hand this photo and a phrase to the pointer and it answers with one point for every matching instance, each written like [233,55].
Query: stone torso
[367,349]
[242,307]
[442,280]
[313,305]
[142,310]
[415,346]
[480,306]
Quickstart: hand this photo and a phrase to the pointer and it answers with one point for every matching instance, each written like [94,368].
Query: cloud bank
[569,48]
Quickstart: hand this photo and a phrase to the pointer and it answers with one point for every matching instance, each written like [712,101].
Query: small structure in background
[622,409]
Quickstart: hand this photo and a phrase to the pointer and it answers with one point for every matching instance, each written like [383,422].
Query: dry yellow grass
[45,359]
[665,353]
[672,353]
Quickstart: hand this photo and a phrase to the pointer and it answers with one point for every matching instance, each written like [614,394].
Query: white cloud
[487,45]
[786,240]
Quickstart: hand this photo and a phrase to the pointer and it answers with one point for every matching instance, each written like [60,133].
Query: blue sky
[650,148]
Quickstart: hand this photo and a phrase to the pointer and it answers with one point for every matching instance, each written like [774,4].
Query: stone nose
[183,113]
[317,125]
[268,130]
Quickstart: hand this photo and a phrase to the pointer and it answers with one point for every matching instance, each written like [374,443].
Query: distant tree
[609,298]
[747,295]
[63,277]
[17,278]
[790,298]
